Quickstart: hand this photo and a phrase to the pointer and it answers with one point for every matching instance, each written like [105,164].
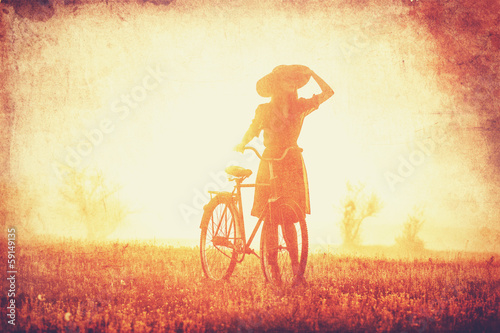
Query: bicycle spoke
[218,241]
[218,249]
[221,219]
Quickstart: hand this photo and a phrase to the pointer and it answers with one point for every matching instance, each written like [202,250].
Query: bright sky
[173,91]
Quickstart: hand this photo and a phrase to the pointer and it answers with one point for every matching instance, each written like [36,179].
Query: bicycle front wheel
[220,237]
[284,244]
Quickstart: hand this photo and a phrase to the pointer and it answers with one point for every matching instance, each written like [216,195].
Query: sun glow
[159,104]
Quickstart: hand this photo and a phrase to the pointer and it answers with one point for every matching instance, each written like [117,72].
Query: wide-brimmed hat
[298,75]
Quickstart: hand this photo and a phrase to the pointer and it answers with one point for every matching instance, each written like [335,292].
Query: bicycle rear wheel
[220,238]
[284,244]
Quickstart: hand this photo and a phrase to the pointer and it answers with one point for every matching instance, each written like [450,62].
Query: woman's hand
[326,90]
[240,147]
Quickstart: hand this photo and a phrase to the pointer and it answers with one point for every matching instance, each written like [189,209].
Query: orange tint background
[416,82]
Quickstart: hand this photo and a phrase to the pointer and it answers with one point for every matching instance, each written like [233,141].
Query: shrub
[356,207]
[409,240]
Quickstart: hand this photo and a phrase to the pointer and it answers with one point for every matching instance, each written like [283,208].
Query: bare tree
[356,207]
[409,239]
[96,201]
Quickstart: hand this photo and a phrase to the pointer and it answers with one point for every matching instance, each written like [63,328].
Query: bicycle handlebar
[272,159]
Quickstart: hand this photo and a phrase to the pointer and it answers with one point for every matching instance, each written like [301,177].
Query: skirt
[291,181]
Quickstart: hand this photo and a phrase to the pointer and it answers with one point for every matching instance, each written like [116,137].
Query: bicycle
[284,239]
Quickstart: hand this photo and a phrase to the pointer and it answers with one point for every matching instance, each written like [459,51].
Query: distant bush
[409,240]
[95,201]
[357,205]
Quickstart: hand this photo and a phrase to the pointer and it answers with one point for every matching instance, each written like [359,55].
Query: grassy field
[75,286]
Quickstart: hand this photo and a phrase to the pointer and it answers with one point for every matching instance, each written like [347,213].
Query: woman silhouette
[281,120]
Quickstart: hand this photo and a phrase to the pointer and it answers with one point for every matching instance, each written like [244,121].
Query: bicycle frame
[236,197]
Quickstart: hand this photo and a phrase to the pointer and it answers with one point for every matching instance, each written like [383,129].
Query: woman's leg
[290,235]
[272,240]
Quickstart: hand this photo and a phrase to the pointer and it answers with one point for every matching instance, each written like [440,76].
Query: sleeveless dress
[280,132]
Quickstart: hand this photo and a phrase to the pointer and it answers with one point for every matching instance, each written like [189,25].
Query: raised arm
[326,90]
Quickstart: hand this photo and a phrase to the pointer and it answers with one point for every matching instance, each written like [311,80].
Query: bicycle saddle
[238,172]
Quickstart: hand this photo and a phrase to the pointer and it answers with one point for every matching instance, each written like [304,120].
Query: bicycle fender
[220,197]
